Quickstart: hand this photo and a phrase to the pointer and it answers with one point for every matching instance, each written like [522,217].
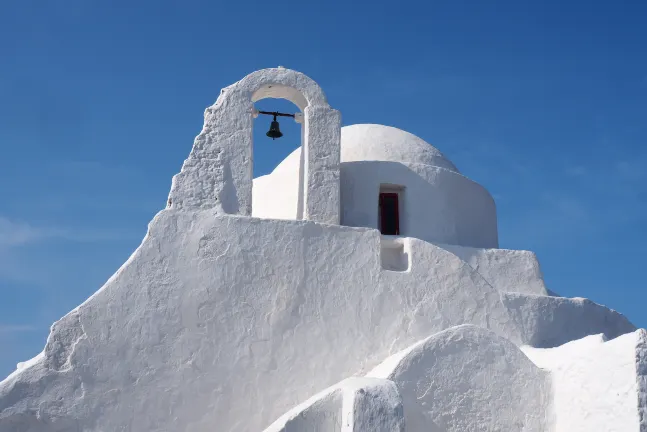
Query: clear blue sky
[543,102]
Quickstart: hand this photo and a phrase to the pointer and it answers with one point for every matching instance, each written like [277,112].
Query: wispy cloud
[95,169]
[576,171]
[34,255]
[583,199]
[631,170]
[84,184]
[18,233]
[16,328]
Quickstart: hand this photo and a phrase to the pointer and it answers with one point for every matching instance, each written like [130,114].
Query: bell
[274,131]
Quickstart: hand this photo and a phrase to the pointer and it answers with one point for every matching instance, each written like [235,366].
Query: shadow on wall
[229,206]
[548,322]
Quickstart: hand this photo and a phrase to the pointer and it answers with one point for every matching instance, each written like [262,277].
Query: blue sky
[544,103]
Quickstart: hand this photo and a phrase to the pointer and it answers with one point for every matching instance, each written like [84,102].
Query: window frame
[381,210]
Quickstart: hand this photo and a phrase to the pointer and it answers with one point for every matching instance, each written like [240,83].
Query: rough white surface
[466,379]
[353,405]
[506,270]
[372,405]
[547,322]
[595,383]
[438,204]
[220,321]
[230,321]
[320,413]
[234,320]
[641,372]
[218,172]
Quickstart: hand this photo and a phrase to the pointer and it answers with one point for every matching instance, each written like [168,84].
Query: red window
[389,213]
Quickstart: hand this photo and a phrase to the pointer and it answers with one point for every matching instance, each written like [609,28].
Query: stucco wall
[506,270]
[356,404]
[552,321]
[641,373]
[595,383]
[438,205]
[467,379]
[231,321]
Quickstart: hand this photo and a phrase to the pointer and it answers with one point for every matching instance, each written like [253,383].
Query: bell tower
[218,172]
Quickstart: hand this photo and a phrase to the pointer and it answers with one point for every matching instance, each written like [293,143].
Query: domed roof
[364,142]
[372,142]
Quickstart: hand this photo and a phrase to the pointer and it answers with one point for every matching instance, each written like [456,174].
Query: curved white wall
[438,205]
[595,383]
[275,195]
[368,142]
[444,380]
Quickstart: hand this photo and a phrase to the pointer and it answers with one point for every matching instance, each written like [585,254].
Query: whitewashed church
[357,287]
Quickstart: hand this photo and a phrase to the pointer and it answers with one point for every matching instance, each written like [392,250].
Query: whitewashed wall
[467,379]
[595,383]
[438,204]
[231,321]
[218,172]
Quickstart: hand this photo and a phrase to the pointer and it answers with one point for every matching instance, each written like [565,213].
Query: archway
[277,187]
[219,171]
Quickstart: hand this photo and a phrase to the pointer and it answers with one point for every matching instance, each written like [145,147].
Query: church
[359,287]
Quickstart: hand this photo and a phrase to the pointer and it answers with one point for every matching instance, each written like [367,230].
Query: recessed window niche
[395,254]
[390,209]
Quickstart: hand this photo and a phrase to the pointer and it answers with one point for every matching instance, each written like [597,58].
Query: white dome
[438,203]
[372,142]
[366,142]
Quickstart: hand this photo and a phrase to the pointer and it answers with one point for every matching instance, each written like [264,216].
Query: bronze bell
[274,131]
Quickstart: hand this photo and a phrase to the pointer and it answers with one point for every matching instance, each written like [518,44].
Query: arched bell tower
[218,172]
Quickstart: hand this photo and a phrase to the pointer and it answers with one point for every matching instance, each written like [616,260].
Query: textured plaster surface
[595,383]
[547,322]
[438,204]
[641,373]
[230,321]
[372,405]
[218,172]
[506,270]
[353,405]
[320,413]
[466,379]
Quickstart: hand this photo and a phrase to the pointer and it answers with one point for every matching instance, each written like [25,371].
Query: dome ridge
[375,142]
[361,142]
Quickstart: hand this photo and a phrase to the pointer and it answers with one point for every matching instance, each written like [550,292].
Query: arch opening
[276,195]
[224,149]
[280,91]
